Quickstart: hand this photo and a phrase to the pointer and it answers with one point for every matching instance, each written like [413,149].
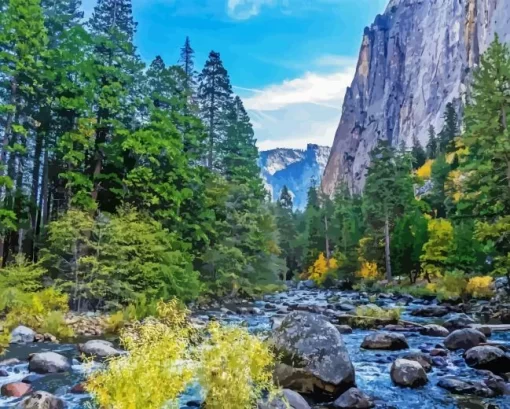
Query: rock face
[314,357]
[354,399]
[22,335]
[487,357]
[385,341]
[408,373]
[48,362]
[464,339]
[414,59]
[293,168]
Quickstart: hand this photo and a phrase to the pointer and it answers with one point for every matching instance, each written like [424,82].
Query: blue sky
[290,60]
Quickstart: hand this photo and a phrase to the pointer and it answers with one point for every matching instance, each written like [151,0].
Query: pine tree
[215,101]
[438,196]
[286,226]
[315,243]
[187,63]
[432,147]
[388,192]
[418,153]
[450,130]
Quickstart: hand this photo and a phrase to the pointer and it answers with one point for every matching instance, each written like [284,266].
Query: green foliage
[236,369]
[22,275]
[435,252]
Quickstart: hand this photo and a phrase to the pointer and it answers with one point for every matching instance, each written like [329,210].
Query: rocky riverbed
[393,366]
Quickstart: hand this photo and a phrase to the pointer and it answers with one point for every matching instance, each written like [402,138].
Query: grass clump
[235,369]
[367,316]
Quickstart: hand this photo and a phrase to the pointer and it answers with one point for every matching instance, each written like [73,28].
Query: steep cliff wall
[414,59]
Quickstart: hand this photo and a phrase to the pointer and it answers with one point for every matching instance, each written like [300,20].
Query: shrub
[452,285]
[480,287]
[152,375]
[368,271]
[322,268]
[22,275]
[425,172]
[235,369]
[368,315]
[5,338]
[54,323]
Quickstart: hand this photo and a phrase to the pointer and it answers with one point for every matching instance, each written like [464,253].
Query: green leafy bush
[370,315]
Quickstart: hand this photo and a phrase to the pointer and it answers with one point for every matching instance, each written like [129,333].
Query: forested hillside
[119,179]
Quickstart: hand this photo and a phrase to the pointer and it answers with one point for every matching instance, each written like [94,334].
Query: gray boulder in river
[408,373]
[314,359]
[287,400]
[354,399]
[488,357]
[98,349]
[48,362]
[41,400]
[466,387]
[464,339]
[385,341]
[433,330]
[458,321]
[22,335]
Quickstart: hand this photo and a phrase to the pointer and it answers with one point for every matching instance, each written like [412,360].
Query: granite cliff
[414,59]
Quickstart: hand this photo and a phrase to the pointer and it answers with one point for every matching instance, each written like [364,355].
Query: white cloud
[320,89]
[245,9]
[298,111]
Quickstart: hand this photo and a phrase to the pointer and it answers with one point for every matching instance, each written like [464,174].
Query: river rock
[464,387]
[307,284]
[432,311]
[433,330]
[15,389]
[48,362]
[459,321]
[42,400]
[423,359]
[464,339]
[98,349]
[408,373]
[488,357]
[344,329]
[22,335]
[288,400]
[10,362]
[385,341]
[353,399]
[3,373]
[314,357]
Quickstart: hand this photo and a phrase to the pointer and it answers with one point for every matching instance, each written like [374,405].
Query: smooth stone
[15,389]
[433,311]
[98,349]
[344,329]
[421,358]
[488,357]
[459,321]
[353,399]
[385,341]
[433,330]
[22,335]
[408,373]
[42,400]
[287,400]
[462,387]
[464,339]
[48,362]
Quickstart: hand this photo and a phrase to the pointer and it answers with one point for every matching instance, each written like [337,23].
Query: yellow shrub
[152,375]
[320,269]
[368,271]
[480,287]
[236,368]
[426,170]
[173,313]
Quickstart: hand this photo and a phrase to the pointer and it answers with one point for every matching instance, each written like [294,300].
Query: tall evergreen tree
[418,153]
[432,147]
[187,63]
[450,130]
[215,100]
[286,226]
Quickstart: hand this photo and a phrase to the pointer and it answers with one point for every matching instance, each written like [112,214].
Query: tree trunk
[45,206]
[389,275]
[328,254]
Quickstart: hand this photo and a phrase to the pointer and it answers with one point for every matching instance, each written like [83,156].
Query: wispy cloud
[245,9]
[302,110]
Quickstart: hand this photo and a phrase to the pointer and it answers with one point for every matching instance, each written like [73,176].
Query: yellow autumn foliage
[480,287]
[236,368]
[368,271]
[320,269]
[435,251]
[151,375]
[426,170]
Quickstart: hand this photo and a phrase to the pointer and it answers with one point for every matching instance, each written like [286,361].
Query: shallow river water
[372,367]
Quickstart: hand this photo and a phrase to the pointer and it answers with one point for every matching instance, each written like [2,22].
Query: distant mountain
[294,168]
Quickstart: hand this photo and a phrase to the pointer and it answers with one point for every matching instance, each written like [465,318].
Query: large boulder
[22,335]
[385,341]
[48,362]
[353,399]
[287,400]
[98,349]
[423,359]
[433,330]
[465,387]
[459,321]
[314,357]
[42,400]
[464,339]
[15,389]
[488,357]
[408,373]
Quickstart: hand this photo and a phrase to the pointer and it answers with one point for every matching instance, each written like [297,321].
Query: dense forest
[121,181]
